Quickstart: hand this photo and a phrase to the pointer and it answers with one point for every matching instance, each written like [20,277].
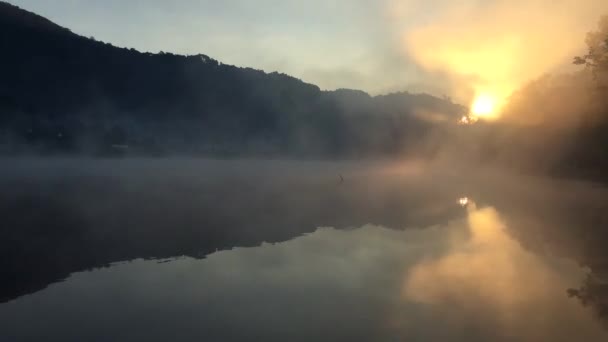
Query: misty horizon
[416,171]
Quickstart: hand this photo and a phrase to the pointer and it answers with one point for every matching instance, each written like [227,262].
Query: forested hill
[61,92]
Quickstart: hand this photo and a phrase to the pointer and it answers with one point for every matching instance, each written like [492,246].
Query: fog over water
[176,197]
[183,249]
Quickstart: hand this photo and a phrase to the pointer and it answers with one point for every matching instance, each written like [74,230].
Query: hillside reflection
[60,217]
[421,266]
[486,282]
[466,280]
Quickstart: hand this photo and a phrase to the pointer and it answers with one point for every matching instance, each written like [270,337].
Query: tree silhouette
[597,51]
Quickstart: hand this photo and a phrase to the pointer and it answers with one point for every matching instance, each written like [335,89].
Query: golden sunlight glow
[463,201]
[485,106]
[490,51]
[486,273]
[468,120]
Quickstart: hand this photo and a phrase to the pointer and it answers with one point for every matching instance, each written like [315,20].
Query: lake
[245,250]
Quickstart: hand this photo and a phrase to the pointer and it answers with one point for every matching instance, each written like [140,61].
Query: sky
[379,46]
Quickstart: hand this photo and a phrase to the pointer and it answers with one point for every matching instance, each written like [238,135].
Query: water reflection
[424,269]
[464,281]
[60,217]
[487,283]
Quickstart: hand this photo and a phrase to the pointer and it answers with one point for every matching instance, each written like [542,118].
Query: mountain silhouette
[61,92]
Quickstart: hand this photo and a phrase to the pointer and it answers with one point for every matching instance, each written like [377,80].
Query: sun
[484,106]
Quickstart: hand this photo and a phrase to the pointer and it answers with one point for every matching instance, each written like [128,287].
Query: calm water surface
[182,250]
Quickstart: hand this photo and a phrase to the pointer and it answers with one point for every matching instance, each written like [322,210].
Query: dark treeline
[61,93]
[560,122]
[64,93]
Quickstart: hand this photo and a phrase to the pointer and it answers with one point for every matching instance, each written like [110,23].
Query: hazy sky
[332,43]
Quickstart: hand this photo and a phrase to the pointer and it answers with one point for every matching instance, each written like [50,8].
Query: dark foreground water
[183,250]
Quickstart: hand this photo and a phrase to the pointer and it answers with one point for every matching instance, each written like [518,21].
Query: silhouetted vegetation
[557,124]
[64,93]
